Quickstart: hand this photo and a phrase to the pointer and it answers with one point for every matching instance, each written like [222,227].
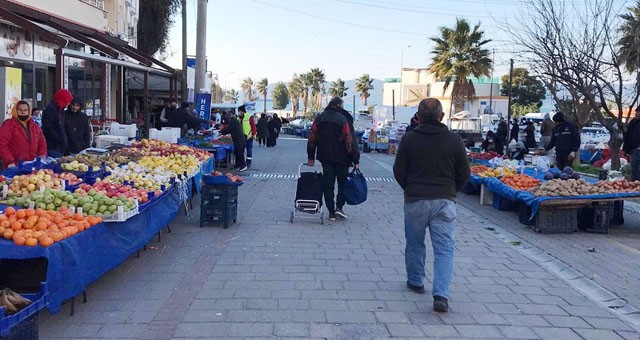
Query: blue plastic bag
[354,189]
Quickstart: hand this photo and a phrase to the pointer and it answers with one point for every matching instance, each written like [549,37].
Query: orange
[30,212]
[3,217]
[8,234]
[78,217]
[21,213]
[17,225]
[41,225]
[10,211]
[47,241]
[57,237]
[5,224]
[99,219]
[31,242]
[12,219]
[19,240]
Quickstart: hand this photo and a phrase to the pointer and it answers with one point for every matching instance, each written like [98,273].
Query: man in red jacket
[21,139]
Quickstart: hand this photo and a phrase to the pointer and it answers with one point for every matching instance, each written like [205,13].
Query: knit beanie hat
[62,98]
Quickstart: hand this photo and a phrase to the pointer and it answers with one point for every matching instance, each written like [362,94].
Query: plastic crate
[24,324]
[617,217]
[556,221]
[504,204]
[219,180]
[524,214]
[596,218]
[225,214]
[226,191]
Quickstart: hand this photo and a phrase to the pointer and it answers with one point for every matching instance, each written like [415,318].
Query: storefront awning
[29,18]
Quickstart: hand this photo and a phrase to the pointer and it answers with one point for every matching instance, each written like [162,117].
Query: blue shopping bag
[354,189]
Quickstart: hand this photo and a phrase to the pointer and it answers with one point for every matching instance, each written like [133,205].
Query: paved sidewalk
[266,278]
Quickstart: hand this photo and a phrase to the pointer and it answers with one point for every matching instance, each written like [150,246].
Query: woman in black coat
[530,139]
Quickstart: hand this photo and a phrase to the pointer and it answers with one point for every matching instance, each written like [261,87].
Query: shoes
[243,169]
[416,289]
[341,214]
[440,304]
[332,217]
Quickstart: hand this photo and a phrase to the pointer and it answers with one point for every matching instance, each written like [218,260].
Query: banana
[10,308]
[17,300]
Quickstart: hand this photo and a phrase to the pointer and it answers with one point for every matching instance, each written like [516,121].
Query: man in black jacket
[234,128]
[182,116]
[631,143]
[566,140]
[77,128]
[331,140]
[52,123]
[431,166]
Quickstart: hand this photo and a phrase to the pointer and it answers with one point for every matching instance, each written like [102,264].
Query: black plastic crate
[226,192]
[504,204]
[596,218]
[219,214]
[556,221]
[617,217]
[524,214]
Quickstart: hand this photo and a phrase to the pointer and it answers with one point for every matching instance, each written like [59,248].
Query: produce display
[497,172]
[570,187]
[476,169]
[619,186]
[520,182]
[567,173]
[484,155]
[91,202]
[12,302]
[83,162]
[32,227]
[115,190]
[152,147]
[232,178]
[25,184]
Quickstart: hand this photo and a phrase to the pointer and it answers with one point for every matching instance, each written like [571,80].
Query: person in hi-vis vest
[249,130]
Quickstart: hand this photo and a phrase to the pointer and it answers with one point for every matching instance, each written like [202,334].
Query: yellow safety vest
[246,125]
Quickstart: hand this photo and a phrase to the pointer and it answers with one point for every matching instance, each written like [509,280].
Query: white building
[416,84]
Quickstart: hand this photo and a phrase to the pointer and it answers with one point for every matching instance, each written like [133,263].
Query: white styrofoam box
[128,131]
[104,141]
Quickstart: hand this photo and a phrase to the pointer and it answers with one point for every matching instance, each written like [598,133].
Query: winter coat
[530,139]
[546,128]
[356,149]
[431,163]
[53,129]
[330,139]
[20,143]
[565,139]
[78,130]
[235,130]
[263,129]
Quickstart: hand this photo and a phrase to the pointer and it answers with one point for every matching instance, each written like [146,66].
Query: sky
[274,39]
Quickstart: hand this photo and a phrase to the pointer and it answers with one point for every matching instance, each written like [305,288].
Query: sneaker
[243,169]
[341,214]
[416,289]
[332,217]
[440,304]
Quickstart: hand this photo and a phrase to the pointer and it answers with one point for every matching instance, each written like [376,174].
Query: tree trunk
[265,103]
[365,98]
[458,104]
[615,143]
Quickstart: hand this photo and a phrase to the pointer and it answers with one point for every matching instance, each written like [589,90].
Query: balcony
[95,3]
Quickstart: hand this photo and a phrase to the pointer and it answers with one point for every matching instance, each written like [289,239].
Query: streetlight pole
[509,102]
[201,48]
[402,70]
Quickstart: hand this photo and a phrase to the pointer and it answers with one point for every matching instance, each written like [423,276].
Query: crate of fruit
[22,323]
[217,178]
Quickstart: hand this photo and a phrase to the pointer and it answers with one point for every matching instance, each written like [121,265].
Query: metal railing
[95,3]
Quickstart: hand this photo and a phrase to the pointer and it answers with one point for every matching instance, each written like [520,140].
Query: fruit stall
[86,214]
[553,201]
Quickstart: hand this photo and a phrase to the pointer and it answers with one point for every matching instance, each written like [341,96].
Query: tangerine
[78,217]
[8,234]
[5,224]
[21,213]
[56,237]
[29,212]
[47,241]
[41,225]
[17,225]
[3,217]
[31,242]
[10,211]
[19,240]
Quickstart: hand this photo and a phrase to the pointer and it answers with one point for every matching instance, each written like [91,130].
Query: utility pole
[184,51]
[493,61]
[201,48]
[509,102]
[393,104]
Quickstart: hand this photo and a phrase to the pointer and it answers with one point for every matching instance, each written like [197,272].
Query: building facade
[416,84]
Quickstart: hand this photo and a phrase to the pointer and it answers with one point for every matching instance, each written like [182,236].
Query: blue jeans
[438,216]
[249,147]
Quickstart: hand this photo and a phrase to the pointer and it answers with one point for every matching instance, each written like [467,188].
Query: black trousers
[562,159]
[238,151]
[330,173]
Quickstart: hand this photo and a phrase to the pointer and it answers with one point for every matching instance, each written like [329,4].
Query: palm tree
[247,89]
[231,96]
[364,85]
[262,88]
[416,96]
[629,42]
[459,54]
[337,89]
[295,91]
[317,87]
[306,80]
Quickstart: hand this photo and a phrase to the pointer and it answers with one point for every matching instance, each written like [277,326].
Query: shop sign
[203,105]
[19,46]
[11,89]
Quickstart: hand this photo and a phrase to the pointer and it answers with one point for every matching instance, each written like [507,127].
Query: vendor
[530,139]
[521,150]
[181,117]
[21,139]
[234,128]
[566,140]
[492,143]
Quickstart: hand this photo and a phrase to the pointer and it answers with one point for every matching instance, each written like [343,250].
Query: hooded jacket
[331,139]
[431,163]
[21,141]
[52,122]
[77,129]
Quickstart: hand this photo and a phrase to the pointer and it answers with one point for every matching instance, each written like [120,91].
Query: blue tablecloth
[78,261]
[206,168]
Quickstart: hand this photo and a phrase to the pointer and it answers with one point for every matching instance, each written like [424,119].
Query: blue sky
[345,38]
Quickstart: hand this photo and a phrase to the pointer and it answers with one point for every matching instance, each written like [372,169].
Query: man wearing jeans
[431,166]
[331,138]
